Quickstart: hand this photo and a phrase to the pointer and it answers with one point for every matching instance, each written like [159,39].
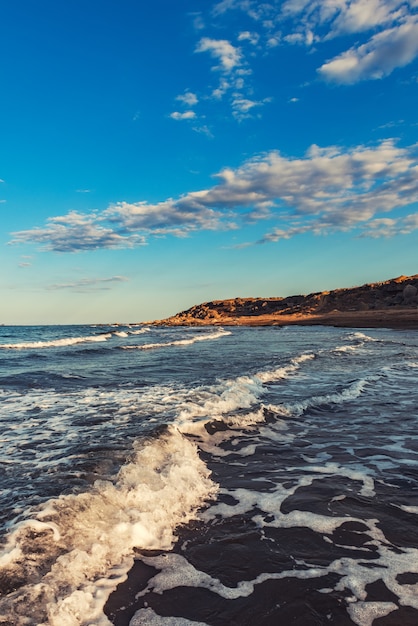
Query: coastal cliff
[392,303]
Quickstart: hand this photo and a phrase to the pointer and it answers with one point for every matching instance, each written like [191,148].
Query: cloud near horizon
[89,284]
[329,189]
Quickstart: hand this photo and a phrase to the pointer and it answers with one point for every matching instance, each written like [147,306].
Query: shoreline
[401,319]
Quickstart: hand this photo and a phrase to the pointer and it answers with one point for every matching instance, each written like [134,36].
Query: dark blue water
[212,476]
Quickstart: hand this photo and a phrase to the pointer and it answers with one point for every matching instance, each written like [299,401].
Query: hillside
[392,303]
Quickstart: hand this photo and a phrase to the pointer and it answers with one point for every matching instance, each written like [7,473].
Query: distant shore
[389,304]
[397,319]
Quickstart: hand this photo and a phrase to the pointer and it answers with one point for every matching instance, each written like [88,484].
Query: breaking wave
[71,341]
[55,343]
[87,534]
[180,342]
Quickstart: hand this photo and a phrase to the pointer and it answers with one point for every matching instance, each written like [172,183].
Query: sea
[208,476]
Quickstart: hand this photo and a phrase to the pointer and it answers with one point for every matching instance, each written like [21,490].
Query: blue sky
[158,155]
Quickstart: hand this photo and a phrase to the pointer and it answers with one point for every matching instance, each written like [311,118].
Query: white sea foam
[56,343]
[286,370]
[349,349]
[50,423]
[359,336]
[92,535]
[180,342]
[147,617]
[297,409]
[72,341]
[364,613]
[227,399]
[355,575]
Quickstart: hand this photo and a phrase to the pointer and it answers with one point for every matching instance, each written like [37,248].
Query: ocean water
[180,476]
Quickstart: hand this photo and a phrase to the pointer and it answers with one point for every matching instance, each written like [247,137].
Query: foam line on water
[180,342]
[56,343]
[72,341]
[354,575]
[286,370]
[147,617]
[296,409]
[224,399]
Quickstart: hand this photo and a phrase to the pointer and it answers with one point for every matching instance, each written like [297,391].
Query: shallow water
[210,476]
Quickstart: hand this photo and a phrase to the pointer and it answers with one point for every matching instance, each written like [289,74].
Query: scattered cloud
[242,107]
[76,232]
[86,285]
[177,217]
[233,70]
[83,190]
[329,189]
[392,24]
[393,44]
[188,98]
[392,124]
[25,264]
[186,115]
[204,130]
[384,52]
[223,51]
[252,38]
[388,227]
[198,21]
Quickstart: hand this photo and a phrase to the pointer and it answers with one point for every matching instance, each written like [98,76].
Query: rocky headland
[391,304]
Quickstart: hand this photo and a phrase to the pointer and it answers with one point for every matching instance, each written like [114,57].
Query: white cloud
[327,190]
[186,115]
[198,22]
[388,227]
[385,51]
[394,45]
[251,37]
[392,23]
[76,232]
[188,98]
[361,15]
[233,71]
[85,285]
[178,217]
[331,18]
[204,130]
[222,50]
[242,107]
[227,5]
[273,41]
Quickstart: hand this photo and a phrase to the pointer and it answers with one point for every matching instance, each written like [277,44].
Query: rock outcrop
[377,304]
